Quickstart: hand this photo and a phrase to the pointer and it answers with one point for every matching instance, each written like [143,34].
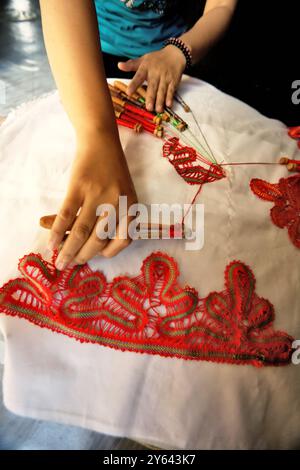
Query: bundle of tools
[131,112]
[291,165]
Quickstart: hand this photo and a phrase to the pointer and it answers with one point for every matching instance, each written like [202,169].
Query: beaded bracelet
[184,49]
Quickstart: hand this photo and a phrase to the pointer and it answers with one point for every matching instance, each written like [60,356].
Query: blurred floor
[24,69]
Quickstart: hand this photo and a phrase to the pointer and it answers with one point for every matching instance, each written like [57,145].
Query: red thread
[286,196]
[125,123]
[140,111]
[150,313]
[186,162]
[294,133]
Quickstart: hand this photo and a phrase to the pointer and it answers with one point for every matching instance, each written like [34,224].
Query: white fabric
[170,402]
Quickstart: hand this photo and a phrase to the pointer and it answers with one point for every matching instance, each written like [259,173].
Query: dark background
[259,58]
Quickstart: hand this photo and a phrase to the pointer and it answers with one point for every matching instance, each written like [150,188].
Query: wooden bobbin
[165,116]
[113,89]
[142,92]
[123,88]
[118,101]
[181,126]
[182,103]
[136,127]
[284,161]
[118,114]
[293,167]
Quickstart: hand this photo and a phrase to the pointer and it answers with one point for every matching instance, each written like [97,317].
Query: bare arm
[99,172]
[72,41]
[210,27]
[163,69]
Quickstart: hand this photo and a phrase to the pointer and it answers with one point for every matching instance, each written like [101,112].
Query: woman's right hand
[99,176]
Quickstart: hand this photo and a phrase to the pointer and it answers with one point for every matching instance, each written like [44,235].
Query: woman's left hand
[162,70]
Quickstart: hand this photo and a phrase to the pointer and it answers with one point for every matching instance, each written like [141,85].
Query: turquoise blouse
[131,28]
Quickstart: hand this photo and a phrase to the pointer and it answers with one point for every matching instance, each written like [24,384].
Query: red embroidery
[286,195]
[186,162]
[294,133]
[150,313]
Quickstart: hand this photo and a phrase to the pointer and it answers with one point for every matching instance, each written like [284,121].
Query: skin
[99,172]
[163,69]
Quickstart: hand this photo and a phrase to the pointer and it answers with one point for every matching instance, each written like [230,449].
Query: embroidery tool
[123,88]
[135,126]
[179,100]
[184,159]
[136,110]
[168,113]
[128,116]
[144,231]
[119,94]
[291,165]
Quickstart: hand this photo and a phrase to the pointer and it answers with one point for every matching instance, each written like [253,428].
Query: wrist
[177,55]
[96,133]
[183,48]
[98,142]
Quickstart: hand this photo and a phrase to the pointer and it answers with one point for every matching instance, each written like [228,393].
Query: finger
[130,65]
[47,221]
[137,80]
[63,221]
[121,240]
[161,96]
[170,94]
[104,229]
[151,93]
[79,234]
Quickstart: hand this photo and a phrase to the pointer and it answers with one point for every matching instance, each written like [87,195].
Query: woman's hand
[99,176]
[162,70]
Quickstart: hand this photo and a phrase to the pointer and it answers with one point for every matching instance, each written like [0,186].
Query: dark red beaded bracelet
[184,49]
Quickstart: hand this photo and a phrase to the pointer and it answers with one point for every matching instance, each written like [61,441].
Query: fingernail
[61,263]
[72,264]
[53,243]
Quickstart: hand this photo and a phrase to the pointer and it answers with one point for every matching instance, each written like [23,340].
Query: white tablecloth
[170,402]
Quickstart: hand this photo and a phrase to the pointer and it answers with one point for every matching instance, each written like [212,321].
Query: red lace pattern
[150,313]
[186,162]
[286,196]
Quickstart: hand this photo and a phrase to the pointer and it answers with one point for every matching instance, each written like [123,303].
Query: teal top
[131,28]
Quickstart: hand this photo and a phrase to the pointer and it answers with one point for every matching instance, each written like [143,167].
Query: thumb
[130,65]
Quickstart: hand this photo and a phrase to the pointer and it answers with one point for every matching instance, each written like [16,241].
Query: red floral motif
[186,162]
[286,195]
[150,313]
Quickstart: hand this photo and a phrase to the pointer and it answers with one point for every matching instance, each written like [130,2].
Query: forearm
[210,27]
[73,47]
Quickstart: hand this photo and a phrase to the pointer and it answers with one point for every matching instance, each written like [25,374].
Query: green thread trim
[36,259]
[153,347]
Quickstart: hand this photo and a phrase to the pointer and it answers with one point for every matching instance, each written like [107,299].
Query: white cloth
[170,402]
